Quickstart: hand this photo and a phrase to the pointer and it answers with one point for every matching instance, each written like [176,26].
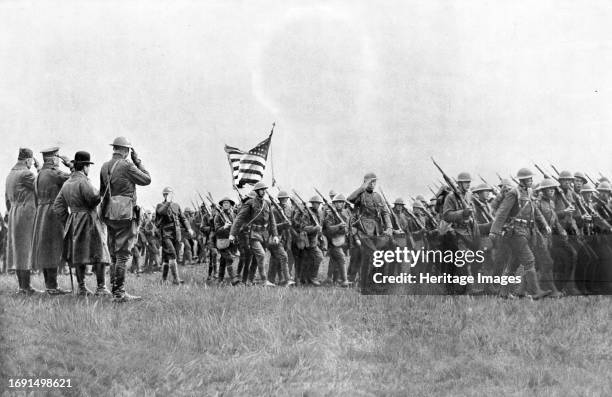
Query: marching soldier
[48,229]
[118,180]
[337,230]
[554,245]
[168,219]
[517,214]
[310,233]
[462,237]
[85,240]
[283,224]
[257,215]
[21,206]
[228,251]
[373,224]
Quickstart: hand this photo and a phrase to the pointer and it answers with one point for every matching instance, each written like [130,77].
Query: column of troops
[556,235]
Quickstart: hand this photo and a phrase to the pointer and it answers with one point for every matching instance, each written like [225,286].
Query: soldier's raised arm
[138,174]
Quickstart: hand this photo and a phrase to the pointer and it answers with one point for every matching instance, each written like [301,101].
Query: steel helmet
[260,185]
[332,193]
[282,194]
[399,201]
[464,177]
[167,190]
[565,175]
[548,183]
[418,204]
[580,175]
[587,187]
[252,194]
[121,141]
[420,198]
[483,187]
[315,199]
[603,179]
[369,175]
[604,187]
[524,173]
[338,197]
[187,210]
[226,199]
[505,182]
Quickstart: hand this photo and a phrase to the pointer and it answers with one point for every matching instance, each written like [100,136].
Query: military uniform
[276,267]
[122,177]
[256,216]
[47,240]
[85,240]
[373,225]
[21,206]
[230,256]
[336,231]
[309,259]
[168,219]
[517,215]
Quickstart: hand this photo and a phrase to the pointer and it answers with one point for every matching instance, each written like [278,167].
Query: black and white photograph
[305,198]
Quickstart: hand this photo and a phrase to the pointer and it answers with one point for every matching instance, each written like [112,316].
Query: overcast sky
[483,86]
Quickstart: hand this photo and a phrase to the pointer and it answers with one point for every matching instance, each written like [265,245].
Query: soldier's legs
[229,260]
[260,255]
[354,263]
[338,259]
[278,255]
[122,236]
[519,244]
[101,290]
[273,268]
[315,257]
[187,253]
[80,270]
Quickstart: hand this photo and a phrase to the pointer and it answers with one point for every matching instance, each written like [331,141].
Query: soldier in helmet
[577,223]
[256,214]
[462,236]
[337,231]
[168,219]
[374,229]
[229,252]
[48,230]
[248,265]
[517,214]
[118,180]
[283,224]
[557,241]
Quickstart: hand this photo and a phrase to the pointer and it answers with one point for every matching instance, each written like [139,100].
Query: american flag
[248,167]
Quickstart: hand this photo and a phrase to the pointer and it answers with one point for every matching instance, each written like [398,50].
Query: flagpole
[271,161]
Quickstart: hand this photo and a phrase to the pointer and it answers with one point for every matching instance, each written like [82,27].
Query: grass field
[196,340]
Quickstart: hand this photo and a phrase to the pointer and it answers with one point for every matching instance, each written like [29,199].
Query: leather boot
[100,276]
[287,282]
[344,283]
[231,270]
[165,269]
[120,295]
[80,276]
[19,274]
[533,285]
[27,287]
[51,282]
[175,274]
[111,272]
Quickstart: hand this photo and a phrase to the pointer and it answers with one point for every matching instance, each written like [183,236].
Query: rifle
[431,190]
[555,169]
[407,233]
[591,180]
[485,210]
[515,181]
[204,204]
[499,176]
[471,220]
[217,208]
[427,213]
[278,208]
[331,207]
[312,216]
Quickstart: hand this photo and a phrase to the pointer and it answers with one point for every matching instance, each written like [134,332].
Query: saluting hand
[134,156]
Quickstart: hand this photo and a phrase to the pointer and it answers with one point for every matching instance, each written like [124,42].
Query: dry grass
[192,340]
